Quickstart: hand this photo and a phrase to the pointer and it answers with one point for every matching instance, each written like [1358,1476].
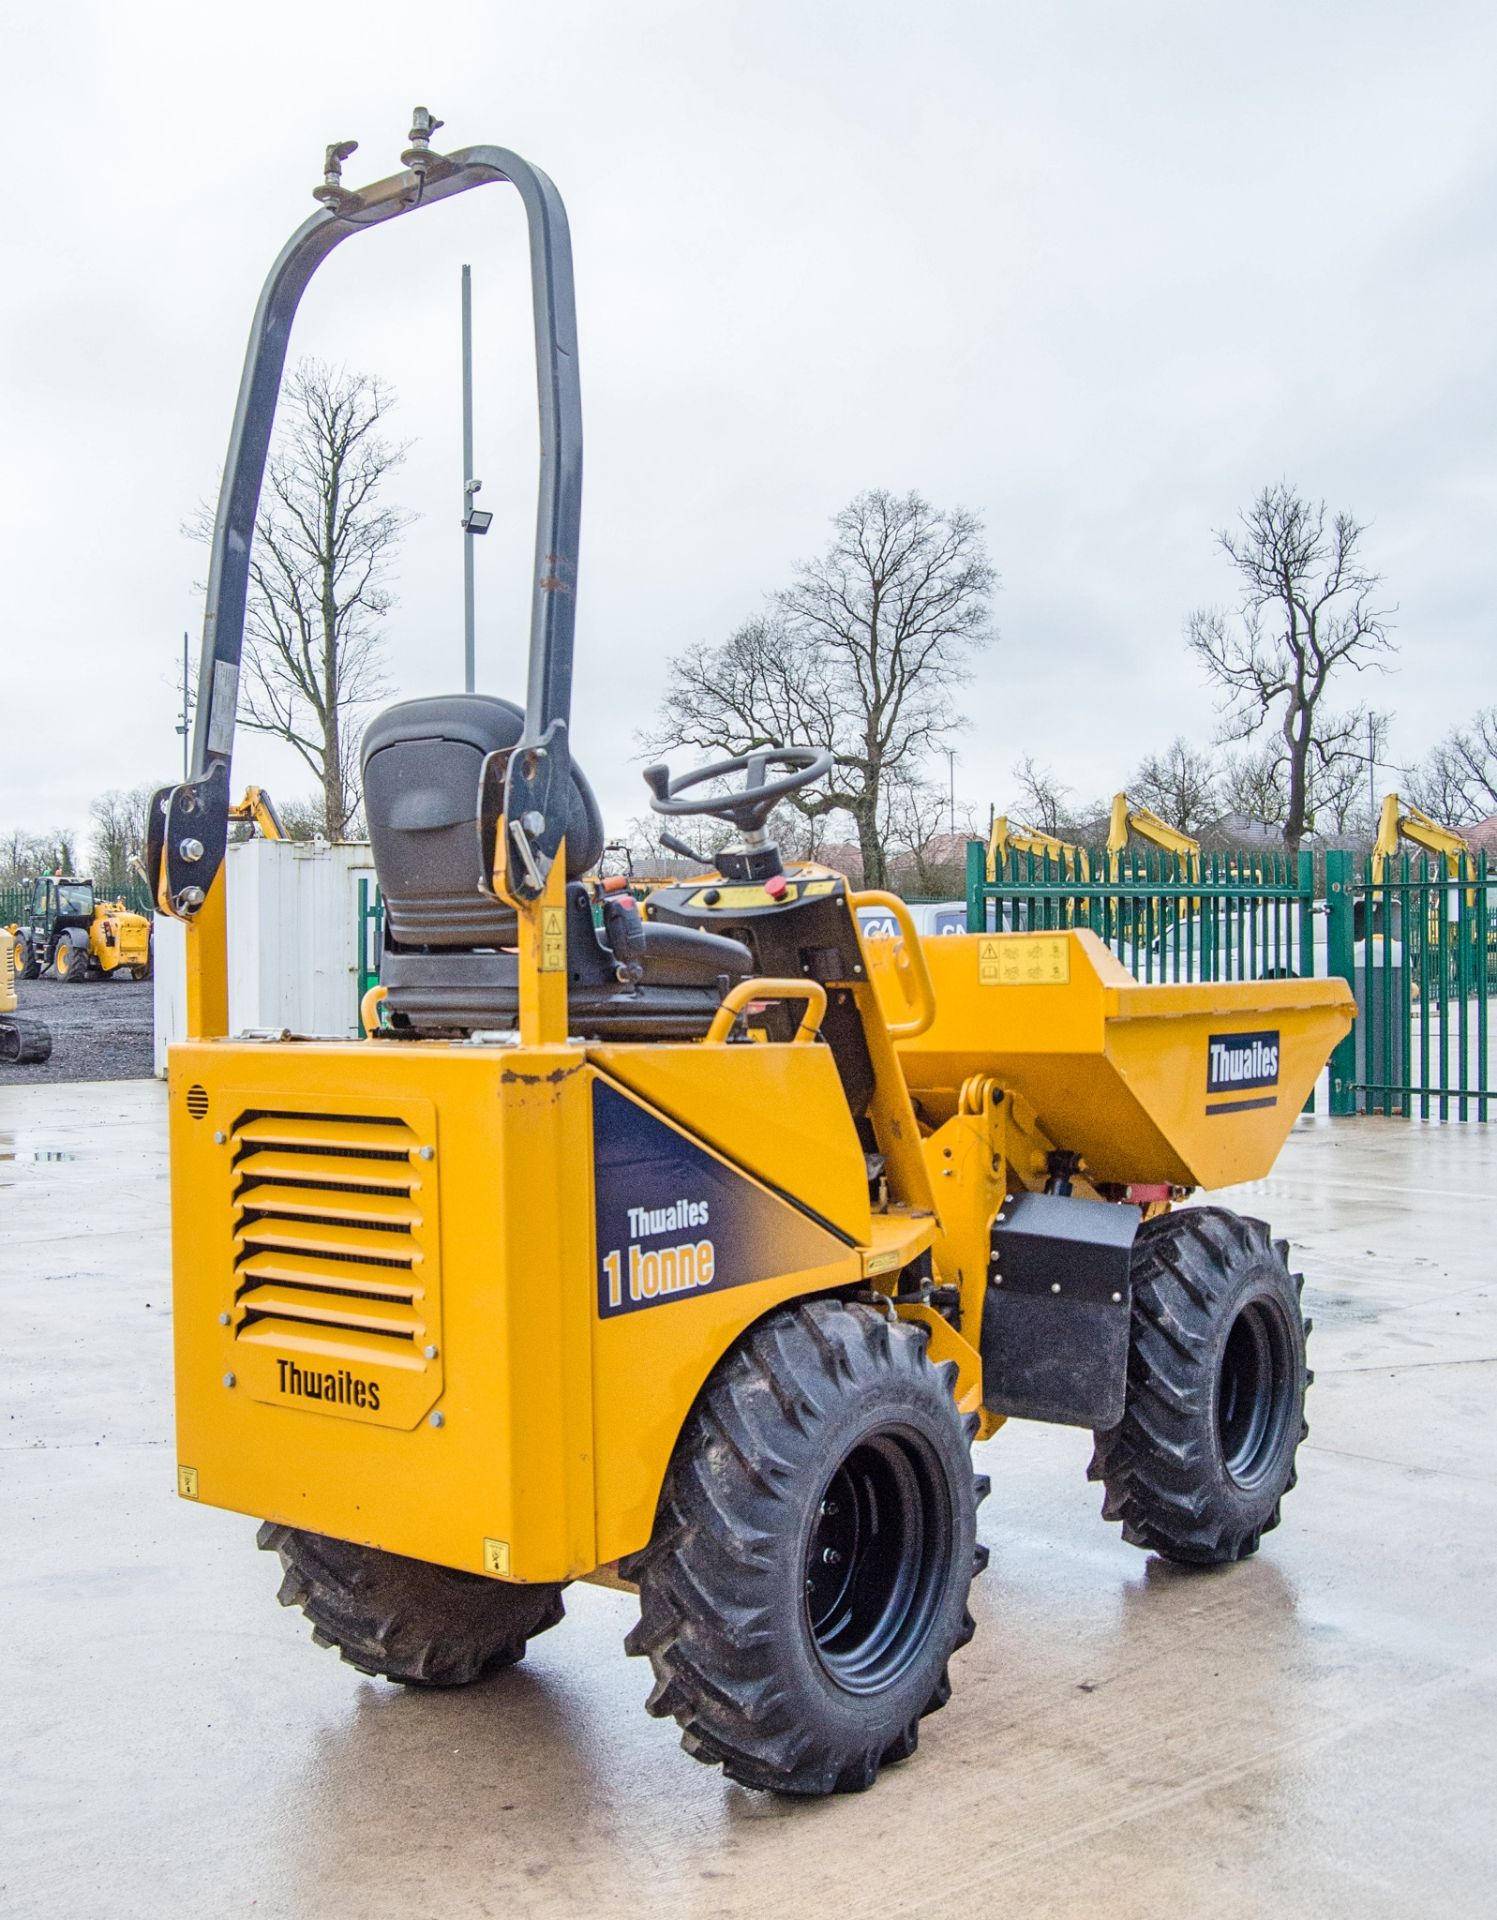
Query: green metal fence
[1224,917]
[1418,947]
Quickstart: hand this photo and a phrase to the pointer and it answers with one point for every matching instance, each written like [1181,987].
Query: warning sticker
[553,940]
[1024,960]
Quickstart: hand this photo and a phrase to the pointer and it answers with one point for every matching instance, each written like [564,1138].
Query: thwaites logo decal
[1238,1064]
[674,1221]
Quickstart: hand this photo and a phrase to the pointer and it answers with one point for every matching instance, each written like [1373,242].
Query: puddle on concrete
[12,1149]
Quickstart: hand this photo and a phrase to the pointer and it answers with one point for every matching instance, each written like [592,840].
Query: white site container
[293,941]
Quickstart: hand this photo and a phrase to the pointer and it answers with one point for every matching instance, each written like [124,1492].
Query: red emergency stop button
[775,887]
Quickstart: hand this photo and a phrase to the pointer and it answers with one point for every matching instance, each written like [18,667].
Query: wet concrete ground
[1311,1733]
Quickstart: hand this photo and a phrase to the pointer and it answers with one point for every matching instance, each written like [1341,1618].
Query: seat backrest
[422,760]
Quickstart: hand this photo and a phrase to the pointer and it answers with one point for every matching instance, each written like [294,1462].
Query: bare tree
[1252,786]
[1308,607]
[919,840]
[119,820]
[318,571]
[1043,801]
[862,654]
[1457,780]
[23,854]
[1348,750]
[1180,786]
[1050,806]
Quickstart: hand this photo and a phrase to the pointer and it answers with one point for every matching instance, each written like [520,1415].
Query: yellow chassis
[524,1427]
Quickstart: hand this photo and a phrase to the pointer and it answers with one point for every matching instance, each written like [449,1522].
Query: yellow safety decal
[553,940]
[496,1557]
[187,1482]
[1024,960]
[881,1262]
[756,896]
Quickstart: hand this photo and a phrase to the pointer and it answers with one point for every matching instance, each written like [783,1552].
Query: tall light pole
[951,776]
[475,521]
[1371,774]
[470,485]
[183,727]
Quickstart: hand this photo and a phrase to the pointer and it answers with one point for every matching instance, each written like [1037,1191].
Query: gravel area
[100,1031]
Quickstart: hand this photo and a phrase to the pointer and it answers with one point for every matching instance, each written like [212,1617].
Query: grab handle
[747,991]
[915,953]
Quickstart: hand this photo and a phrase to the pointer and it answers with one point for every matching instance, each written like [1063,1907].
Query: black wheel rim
[1255,1392]
[876,1560]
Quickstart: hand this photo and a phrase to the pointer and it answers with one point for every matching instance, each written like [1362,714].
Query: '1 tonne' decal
[673,1220]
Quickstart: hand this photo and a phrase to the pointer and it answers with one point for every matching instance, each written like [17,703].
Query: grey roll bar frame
[539,771]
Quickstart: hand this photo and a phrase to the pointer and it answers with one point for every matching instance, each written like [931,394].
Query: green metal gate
[1248,916]
[1417,946]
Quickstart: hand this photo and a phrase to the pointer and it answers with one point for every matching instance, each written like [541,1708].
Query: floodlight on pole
[470,486]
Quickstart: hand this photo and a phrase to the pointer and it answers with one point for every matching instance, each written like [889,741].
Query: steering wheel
[749,808]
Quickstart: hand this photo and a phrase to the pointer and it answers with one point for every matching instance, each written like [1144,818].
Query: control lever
[624,930]
[682,851]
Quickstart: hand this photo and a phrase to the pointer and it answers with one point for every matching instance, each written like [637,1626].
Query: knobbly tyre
[551,1278]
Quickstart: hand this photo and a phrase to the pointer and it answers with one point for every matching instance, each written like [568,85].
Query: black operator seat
[449,963]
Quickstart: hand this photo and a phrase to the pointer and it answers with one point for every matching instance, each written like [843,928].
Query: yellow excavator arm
[1124,821]
[1006,837]
[259,809]
[1396,822]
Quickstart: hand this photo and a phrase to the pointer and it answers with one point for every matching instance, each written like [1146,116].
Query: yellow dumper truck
[689,1252]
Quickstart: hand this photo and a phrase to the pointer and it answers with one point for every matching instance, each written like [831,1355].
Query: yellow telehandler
[78,936]
[691,1252]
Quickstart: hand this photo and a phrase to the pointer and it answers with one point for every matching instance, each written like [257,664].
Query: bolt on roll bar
[539,772]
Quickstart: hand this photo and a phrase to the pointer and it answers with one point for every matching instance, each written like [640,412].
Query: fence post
[1304,957]
[1305,965]
[1340,960]
[977,918]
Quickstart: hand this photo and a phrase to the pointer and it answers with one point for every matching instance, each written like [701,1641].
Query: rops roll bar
[189,823]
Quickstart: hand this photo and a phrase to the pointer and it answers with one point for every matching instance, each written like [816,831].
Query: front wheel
[70,962]
[407,1620]
[1205,1450]
[807,1581]
[28,966]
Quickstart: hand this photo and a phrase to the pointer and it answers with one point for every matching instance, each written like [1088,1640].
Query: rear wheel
[807,1581]
[28,966]
[1206,1447]
[407,1620]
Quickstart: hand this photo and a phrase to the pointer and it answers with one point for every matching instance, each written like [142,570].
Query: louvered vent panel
[332,1217]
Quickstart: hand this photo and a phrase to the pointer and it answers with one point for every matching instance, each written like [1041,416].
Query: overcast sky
[1096,271]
